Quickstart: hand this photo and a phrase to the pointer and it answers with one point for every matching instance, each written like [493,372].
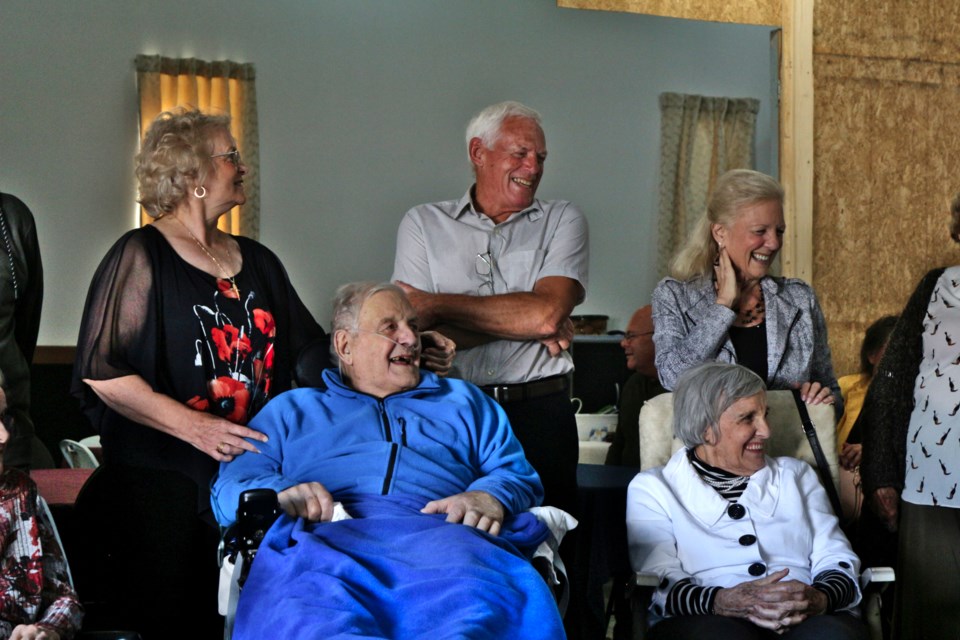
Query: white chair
[787,438]
[77,455]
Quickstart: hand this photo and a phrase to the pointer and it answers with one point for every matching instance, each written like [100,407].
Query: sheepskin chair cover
[657,443]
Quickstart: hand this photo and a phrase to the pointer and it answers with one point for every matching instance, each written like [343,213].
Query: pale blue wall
[362,109]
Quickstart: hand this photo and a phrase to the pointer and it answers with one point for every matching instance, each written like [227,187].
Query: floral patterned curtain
[700,138]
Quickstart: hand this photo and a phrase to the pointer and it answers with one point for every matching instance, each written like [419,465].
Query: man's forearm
[511,316]
[527,315]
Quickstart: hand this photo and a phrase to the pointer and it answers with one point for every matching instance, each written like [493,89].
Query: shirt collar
[465,207]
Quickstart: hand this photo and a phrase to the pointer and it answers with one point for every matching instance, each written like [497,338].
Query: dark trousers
[148,563]
[928,574]
[838,626]
[547,429]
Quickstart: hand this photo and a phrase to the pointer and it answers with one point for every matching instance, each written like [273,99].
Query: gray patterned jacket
[691,328]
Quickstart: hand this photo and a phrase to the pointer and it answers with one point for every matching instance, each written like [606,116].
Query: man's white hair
[486,125]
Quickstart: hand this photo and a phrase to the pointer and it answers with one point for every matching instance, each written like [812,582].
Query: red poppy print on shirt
[229,399]
[235,352]
[226,289]
[264,321]
[230,342]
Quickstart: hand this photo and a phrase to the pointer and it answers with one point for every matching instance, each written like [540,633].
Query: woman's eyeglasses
[233,156]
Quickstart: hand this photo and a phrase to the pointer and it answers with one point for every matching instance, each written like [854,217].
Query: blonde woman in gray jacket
[721,303]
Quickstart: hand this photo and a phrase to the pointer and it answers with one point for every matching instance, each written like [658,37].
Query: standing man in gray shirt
[500,271]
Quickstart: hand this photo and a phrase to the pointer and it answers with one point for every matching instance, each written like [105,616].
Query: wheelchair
[258,509]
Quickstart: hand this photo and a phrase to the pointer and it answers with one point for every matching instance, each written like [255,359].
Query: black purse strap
[822,466]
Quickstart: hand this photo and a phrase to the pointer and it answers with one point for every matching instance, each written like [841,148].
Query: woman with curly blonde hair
[187,332]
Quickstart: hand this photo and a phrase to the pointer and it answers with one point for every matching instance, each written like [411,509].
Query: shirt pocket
[521,269]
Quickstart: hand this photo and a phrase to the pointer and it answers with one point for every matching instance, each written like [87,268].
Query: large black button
[757,569]
[747,540]
[736,511]
[844,564]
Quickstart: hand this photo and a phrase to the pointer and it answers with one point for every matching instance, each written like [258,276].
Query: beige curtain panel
[700,138]
[221,87]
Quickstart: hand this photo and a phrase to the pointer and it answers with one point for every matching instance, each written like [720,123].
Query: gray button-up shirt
[449,247]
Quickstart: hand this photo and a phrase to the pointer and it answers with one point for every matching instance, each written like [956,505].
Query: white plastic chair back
[78,456]
[787,438]
[45,508]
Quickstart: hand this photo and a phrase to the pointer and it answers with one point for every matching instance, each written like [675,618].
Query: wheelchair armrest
[643,579]
[257,511]
[641,593]
[876,575]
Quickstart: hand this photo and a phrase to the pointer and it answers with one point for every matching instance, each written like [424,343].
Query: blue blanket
[393,572]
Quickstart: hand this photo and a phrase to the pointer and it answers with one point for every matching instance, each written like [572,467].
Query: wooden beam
[796,137]
[741,12]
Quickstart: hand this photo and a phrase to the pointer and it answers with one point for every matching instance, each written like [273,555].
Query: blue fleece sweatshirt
[441,438]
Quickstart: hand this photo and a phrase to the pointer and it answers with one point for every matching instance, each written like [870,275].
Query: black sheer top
[185,332]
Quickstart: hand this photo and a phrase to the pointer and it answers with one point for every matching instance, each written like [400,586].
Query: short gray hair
[487,123]
[347,303]
[704,392]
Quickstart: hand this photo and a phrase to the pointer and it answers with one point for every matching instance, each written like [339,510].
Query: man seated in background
[642,385]
[428,470]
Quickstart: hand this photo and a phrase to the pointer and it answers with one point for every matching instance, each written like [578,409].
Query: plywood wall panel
[916,29]
[886,168]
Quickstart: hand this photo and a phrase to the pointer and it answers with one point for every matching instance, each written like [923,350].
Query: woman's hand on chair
[308,500]
[816,393]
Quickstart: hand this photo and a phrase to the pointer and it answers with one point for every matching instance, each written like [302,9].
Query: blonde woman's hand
[728,291]
[816,393]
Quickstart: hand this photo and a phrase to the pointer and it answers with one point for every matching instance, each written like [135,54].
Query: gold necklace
[223,272]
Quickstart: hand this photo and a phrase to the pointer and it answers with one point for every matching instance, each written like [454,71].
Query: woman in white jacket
[745,546]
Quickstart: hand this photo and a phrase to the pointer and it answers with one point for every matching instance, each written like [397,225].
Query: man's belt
[503,393]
